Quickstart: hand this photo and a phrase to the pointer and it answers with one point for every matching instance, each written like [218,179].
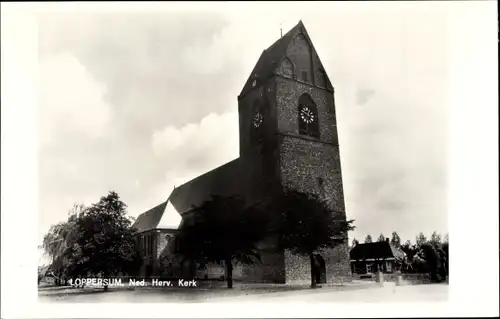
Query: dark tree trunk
[105,276]
[192,269]
[313,273]
[229,272]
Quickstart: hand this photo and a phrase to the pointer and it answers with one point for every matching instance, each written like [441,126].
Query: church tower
[287,116]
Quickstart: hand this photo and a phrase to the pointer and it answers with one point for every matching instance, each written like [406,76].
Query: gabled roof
[377,250]
[397,252]
[194,192]
[150,219]
[238,177]
[269,59]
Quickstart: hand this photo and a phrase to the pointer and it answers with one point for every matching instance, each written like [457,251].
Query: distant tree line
[427,255]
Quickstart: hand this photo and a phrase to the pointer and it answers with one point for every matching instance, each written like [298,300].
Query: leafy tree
[222,229]
[368,239]
[433,261]
[42,270]
[426,257]
[54,245]
[308,224]
[104,242]
[410,251]
[406,247]
[381,238]
[396,240]
[355,242]
[446,239]
[421,239]
[435,239]
[59,238]
[446,252]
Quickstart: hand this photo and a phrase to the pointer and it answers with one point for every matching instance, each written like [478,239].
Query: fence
[407,279]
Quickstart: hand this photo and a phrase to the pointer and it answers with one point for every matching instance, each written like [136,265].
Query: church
[288,137]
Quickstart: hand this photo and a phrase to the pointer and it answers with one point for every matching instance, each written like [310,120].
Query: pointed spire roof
[269,59]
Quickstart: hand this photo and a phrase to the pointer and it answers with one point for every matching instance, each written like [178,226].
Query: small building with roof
[369,258]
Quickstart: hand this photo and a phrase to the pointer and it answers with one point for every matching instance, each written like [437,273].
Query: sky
[140,102]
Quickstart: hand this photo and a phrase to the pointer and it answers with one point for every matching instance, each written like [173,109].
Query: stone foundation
[338,268]
[298,268]
[271,270]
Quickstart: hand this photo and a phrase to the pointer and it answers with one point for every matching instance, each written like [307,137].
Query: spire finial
[281,29]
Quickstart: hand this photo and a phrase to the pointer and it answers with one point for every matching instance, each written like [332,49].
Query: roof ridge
[266,64]
[206,173]
[152,208]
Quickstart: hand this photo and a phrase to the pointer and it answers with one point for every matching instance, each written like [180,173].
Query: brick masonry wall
[264,96]
[304,160]
[301,163]
[271,270]
[337,264]
[288,92]
[298,267]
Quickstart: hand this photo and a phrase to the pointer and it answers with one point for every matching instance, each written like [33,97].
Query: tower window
[287,68]
[304,76]
[308,117]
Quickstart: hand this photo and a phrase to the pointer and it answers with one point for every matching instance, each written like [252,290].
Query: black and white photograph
[204,154]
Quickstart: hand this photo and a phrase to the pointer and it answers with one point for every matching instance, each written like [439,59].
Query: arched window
[308,117]
[286,68]
[300,53]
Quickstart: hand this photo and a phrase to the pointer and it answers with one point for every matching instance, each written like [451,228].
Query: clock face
[307,115]
[257,119]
